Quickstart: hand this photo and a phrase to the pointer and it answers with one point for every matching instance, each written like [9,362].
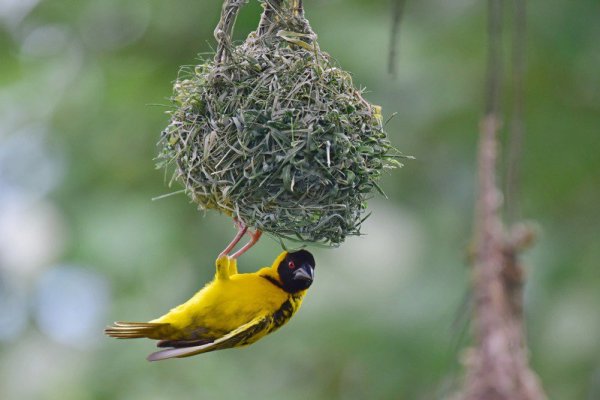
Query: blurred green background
[83,90]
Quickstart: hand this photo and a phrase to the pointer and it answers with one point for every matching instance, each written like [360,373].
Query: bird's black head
[297,271]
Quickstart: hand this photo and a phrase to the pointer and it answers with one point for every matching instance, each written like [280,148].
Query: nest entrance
[274,133]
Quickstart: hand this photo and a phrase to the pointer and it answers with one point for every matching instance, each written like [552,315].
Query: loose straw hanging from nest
[274,133]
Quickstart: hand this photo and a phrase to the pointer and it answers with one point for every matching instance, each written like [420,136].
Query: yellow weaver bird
[232,310]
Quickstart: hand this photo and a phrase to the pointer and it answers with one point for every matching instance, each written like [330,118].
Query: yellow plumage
[232,310]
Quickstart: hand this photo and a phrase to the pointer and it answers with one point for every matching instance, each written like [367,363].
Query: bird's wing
[245,334]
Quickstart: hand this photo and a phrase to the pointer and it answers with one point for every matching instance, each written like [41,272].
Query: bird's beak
[305,273]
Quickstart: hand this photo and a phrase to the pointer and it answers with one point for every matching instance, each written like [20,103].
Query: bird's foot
[253,239]
[242,230]
[240,233]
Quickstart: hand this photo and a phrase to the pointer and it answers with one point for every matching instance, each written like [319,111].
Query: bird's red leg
[254,238]
[241,231]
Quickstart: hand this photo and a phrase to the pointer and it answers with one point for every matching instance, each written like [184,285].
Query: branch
[497,368]
[397,12]
[494,61]
[517,127]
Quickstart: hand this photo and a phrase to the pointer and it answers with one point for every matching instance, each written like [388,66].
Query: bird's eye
[291,265]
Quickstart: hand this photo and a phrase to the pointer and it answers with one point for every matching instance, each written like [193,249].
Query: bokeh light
[70,305]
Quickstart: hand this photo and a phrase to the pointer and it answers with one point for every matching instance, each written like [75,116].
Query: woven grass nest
[273,132]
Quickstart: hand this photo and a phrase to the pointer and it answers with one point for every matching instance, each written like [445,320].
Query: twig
[497,368]
[494,61]
[517,127]
[397,12]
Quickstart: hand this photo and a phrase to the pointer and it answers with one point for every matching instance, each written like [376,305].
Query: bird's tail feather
[134,330]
